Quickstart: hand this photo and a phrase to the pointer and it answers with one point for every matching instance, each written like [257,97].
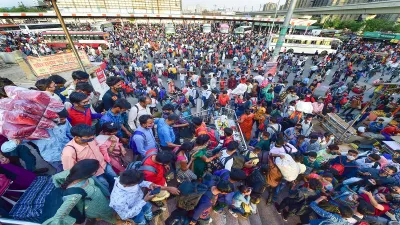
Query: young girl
[113,151]
[241,199]
[184,161]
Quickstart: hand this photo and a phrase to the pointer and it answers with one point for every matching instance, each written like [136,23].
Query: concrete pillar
[20,59]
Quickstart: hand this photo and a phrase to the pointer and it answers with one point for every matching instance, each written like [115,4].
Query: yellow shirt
[150,66]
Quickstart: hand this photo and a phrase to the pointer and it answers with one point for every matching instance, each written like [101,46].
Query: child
[113,151]
[241,199]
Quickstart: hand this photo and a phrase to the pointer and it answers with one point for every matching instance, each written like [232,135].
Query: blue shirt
[143,144]
[165,132]
[239,198]
[52,147]
[114,118]
[328,218]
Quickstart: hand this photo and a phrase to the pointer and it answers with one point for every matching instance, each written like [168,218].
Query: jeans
[144,215]
[24,153]
[182,83]
[107,178]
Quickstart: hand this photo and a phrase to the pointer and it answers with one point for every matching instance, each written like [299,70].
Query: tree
[379,25]
[21,8]
[352,25]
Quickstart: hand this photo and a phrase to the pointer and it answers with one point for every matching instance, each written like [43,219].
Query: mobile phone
[155,191]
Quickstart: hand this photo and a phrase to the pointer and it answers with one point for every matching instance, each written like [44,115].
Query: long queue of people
[105,151]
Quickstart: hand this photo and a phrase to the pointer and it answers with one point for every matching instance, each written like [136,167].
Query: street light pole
[272,27]
[64,27]
[283,30]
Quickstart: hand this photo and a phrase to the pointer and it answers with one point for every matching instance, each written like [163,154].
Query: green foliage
[352,25]
[379,25]
[21,8]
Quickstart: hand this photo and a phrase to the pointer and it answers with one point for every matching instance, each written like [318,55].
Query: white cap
[361,129]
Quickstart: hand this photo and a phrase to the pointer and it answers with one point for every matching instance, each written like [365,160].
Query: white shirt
[213,83]
[281,150]
[134,113]
[182,76]
[229,163]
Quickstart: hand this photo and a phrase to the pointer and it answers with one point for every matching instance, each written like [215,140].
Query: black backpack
[54,200]
[190,195]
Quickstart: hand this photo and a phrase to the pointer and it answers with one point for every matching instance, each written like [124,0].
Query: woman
[113,151]
[246,124]
[80,176]
[184,161]
[201,161]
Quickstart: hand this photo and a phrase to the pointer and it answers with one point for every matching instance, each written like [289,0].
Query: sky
[191,4]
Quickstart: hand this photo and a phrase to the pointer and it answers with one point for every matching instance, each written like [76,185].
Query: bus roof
[28,24]
[224,25]
[307,37]
[75,32]
[245,26]
[8,25]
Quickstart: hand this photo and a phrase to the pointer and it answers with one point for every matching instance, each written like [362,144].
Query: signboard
[46,65]
[378,35]
[100,75]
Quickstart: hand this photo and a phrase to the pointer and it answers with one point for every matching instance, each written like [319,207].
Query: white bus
[105,26]
[243,30]
[224,28]
[307,44]
[39,27]
[206,28]
[169,28]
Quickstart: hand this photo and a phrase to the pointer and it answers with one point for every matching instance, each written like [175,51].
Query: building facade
[270,6]
[121,6]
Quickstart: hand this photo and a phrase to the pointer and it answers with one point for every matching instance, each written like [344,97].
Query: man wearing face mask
[143,137]
[382,177]
[80,111]
[83,146]
[345,167]
[329,153]
[168,109]
[115,115]
[113,93]
[318,106]
[141,108]
[51,148]
[313,144]
[307,126]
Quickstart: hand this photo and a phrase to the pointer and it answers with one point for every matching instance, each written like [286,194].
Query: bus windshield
[206,28]
[169,29]
[224,28]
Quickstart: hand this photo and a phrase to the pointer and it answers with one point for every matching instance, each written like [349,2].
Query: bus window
[318,42]
[274,40]
[313,42]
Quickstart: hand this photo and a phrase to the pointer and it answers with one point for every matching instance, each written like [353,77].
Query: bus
[243,30]
[224,28]
[106,26]
[7,28]
[206,28]
[39,27]
[169,28]
[58,39]
[307,44]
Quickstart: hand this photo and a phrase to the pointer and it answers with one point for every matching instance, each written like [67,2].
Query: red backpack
[339,167]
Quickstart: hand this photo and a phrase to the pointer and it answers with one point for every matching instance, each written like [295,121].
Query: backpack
[238,161]
[276,133]
[253,142]
[213,134]
[54,200]
[132,143]
[99,107]
[138,165]
[339,167]
[277,89]
[191,192]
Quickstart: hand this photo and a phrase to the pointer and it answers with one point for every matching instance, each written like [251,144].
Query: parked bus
[39,27]
[6,28]
[224,28]
[243,30]
[206,28]
[169,28]
[307,44]
[106,26]
[58,39]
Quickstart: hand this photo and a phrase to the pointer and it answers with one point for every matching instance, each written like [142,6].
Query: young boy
[128,199]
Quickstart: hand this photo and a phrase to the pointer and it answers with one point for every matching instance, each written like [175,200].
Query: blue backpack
[132,143]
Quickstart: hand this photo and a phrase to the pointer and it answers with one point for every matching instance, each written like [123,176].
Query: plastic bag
[20,117]
[17,131]
[53,108]
[37,134]
[288,167]
[305,107]
[45,123]
[6,104]
[26,94]
[28,106]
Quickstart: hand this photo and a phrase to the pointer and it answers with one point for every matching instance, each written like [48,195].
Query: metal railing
[6,221]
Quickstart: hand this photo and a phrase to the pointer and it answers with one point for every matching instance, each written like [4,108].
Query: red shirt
[157,178]
[77,117]
[223,100]
[377,211]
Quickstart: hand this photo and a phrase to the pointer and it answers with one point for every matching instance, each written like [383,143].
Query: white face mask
[351,158]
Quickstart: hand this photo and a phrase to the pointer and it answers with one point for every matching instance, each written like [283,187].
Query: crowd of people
[116,161]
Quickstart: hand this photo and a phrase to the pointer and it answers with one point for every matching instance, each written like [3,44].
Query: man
[318,106]
[223,99]
[52,147]
[313,144]
[192,95]
[139,109]
[329,153]
[331,218]
[345,166]
[227,156]
[159,164]
[213,82]
[60,82]
[114,93]
[376,126]
[87,89]
[47,86]
[232,83]
[80,112]
[381,177]
[168,109]
[77,76]
[143,136]
[115,115]
[166,133]
[307,126]
[203,209]
[83,146]
[380,201]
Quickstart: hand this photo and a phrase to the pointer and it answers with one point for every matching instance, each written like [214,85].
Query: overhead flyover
[380,7]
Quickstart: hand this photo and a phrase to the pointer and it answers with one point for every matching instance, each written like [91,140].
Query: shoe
[285,215]
[41,171]
[233,213]
[276,205]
